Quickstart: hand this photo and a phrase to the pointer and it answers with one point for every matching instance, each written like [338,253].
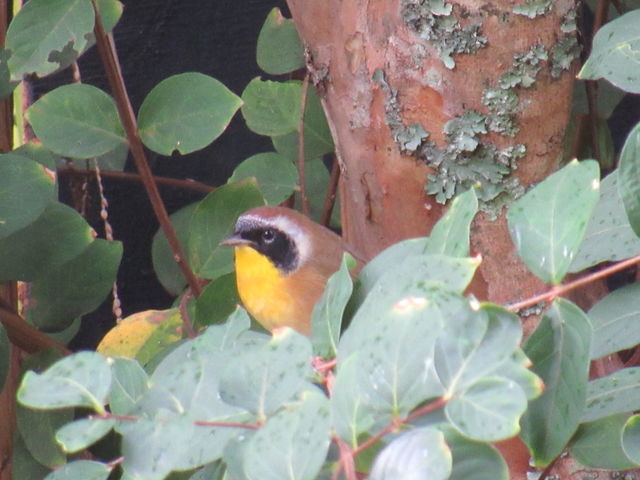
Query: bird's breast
[274,299]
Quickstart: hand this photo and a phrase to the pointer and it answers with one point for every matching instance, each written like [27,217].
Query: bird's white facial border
[300,239]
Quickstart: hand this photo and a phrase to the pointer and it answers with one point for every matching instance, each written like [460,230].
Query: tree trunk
[428,94]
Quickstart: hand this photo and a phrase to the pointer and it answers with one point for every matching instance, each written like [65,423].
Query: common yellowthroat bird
[283,261]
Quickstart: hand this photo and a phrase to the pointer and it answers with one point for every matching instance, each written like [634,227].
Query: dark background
[156,39]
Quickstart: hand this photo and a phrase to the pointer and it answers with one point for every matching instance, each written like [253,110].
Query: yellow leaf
[143,334]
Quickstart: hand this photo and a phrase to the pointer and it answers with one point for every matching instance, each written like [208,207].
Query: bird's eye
[268,235]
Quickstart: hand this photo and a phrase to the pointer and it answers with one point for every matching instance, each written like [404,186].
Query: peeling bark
[380,80]
[382,183]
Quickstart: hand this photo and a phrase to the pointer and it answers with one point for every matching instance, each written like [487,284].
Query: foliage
[409,375]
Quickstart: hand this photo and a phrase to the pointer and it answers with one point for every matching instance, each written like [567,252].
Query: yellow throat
[263,289]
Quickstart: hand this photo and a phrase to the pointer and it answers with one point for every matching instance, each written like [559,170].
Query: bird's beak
[234,240]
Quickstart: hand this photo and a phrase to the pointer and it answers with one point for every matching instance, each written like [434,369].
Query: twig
[633,360]
[24,335]
[247,426]
[330,199]
[115,462]
[428,408]
[600,15]
[563,289]
[127,116]
[346,461]
[201,423]
[134,177]
[547,471]
[303,106]
[184,314]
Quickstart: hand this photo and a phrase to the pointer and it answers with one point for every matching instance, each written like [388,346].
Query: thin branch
[563,289]
[184,314]
[347,463]
[247,426]
[547,471]
[24,335]
[428,408]
[600,15]
[127,116]
[303,106]
[330,199]
[201,423]
[134,177]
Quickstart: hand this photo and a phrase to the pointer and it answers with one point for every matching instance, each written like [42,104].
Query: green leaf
[272,108]
[79,380]
[23,465]
[629,176]
[615,53]
[279,49]
[548,224]
[293,444]
[599,444]
[46,30]
[488,410]
[110,13]
[317,135]
[559,349]
[164,264]
[75,287]
[213,471]
[631,439]
[213,220]
[186,113]
[349,413]
[615,321]
[394,335]
[385,260]
[83,433]
[276,175]
[143,335]
[517,370]
[6,85]
[218,300]
[128,385]
[475,343]
[450,235]
[448,273]
[38,429]
[152,448]
[609,235]
[81,470]
[474,460]
[261,379]
[26,189]
[167,437]
[420,453]
[615,393]
[78,121]
[326,320]
[115,159]
[54,238]
[34,150]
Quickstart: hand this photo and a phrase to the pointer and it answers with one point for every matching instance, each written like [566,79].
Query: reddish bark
[382,190]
